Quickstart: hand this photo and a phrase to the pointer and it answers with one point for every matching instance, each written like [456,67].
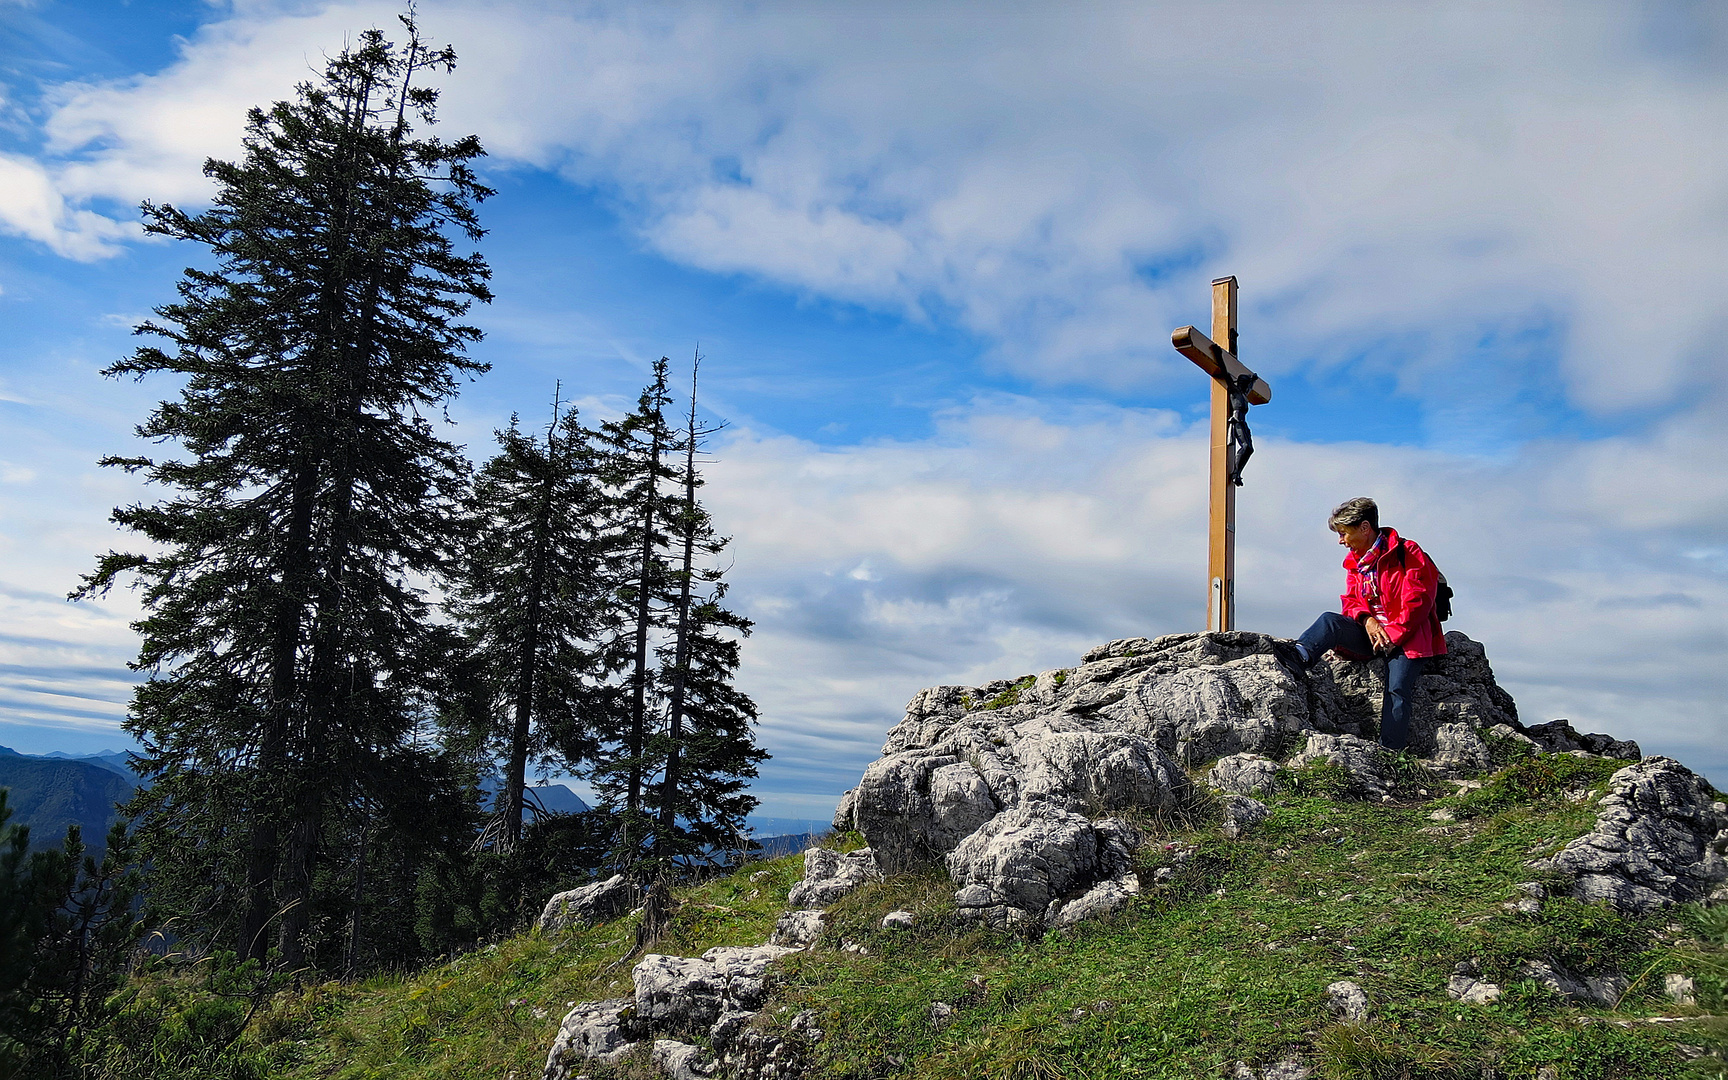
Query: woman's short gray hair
[1354,512]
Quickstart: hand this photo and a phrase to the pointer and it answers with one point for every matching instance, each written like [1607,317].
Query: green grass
[1228,964]
[1232,964]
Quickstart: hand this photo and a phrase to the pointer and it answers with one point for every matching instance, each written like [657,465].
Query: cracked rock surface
[1011,871]
[1000,781]
[829,875]
[1244,774]
[588,905]
[1659,840]
[1364,761]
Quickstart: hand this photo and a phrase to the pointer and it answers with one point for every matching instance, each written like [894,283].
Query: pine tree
[637,450]
[67,931]
[287,643]
[707,749]
[532,596]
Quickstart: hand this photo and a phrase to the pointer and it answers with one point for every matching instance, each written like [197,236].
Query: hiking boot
[1289,653]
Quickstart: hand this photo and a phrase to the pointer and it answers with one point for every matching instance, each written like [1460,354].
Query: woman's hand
[1377,635]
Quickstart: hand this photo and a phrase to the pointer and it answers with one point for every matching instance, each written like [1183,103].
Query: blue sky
[933,253]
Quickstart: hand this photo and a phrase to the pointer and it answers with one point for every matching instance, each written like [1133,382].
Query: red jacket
[1408,582]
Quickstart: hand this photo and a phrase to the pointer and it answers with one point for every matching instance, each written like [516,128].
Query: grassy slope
[1232,963]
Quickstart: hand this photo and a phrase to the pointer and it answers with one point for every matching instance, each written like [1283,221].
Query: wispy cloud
[1401,172]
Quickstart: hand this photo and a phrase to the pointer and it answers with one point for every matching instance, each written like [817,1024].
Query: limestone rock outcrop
[592,1031]
[688,994]
[1020,867]
[1244,774]
[1559,737]
[1659,839]
[1003,783]
[1362,761]
[588,905]
[829,875]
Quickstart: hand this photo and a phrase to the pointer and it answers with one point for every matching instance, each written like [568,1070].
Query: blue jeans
[1334,631]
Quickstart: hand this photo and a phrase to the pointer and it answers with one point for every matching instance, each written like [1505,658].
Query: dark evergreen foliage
[706,750]
[291,652]
[67,931]
[638,465]
[532,596]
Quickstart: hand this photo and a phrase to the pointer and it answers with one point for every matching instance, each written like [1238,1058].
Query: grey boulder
[1467,985]
[592,1031]
[1346,1001]
[1241,814]
[829,875]
[689,994]
[1101,899]
[681,1060]
[1459,751]
[1560,737]
[1659,840]
[843,812]
[588,905]
[1585,989]
[798,929]
[1363,761]
[1244,774]
[1009,872]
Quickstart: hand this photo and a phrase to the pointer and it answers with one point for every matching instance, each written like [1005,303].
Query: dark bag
[1442,591]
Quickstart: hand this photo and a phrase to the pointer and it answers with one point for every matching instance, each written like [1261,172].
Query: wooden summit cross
[1228,373]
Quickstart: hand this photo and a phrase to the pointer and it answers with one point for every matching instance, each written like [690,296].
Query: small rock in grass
[941,1014]
[1680,989]
[1529,902]
[1442,816]
[975,992]
[1591,989]
[1466,986]
[1345,1000]
[798,928]
[899,920]
[1241,814]
[1287,1068]
[829,875]
[587,905]
[854,947]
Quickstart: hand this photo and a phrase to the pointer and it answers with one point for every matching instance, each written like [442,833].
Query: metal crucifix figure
[1241,439]
[1234,389]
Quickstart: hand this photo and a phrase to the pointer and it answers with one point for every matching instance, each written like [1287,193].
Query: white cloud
[1395,172]
[32,205]
[1010,544]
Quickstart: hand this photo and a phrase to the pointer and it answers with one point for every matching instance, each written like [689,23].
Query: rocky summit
[1055,800]
[1012,784]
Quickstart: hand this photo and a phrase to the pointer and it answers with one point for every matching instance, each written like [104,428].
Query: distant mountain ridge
[552,798]
[49,792]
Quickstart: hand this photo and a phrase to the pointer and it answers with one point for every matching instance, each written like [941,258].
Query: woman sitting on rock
[1389,592]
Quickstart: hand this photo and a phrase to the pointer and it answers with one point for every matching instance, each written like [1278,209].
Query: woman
[1388,610]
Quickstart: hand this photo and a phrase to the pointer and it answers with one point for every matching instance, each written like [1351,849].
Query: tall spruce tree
[706,748]
[533,597]
[287,644]
[639,464]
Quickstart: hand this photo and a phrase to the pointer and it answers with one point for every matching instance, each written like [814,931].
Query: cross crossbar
[1216,361]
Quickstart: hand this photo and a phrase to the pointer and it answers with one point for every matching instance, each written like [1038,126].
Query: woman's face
[1358,537]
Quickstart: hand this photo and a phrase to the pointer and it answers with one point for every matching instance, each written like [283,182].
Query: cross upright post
[1219,361]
